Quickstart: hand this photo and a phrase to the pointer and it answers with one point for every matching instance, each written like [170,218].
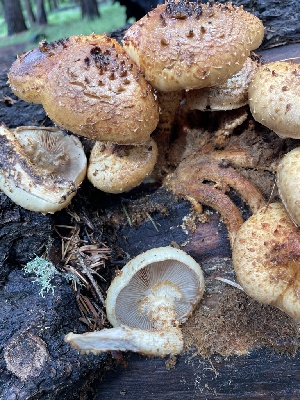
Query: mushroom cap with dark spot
[89,86]
[186,45]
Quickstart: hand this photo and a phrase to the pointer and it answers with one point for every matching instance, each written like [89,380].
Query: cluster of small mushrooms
[125,98]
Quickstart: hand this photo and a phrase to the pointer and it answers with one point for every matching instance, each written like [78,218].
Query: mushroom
[41,168]
[274,98]
[182,45]
[189,180]
[288,183]
[114,168]
[146,303]
[89,86]
[188,45]
[229,95]
[266,259]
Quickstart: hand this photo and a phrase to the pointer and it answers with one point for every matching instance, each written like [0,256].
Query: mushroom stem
[122,338]
[211,171]
[217,200]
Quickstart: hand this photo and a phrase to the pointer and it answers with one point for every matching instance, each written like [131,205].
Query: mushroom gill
[41,168]
[146,303]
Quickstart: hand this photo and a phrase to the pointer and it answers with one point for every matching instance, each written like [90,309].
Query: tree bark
[13,16]
[41,17]
[89,9]
[29,12]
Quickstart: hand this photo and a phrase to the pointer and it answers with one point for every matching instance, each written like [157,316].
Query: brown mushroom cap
[187,45]
[88,85]
[115,169]
[266,259]
[230,95]
[288,182]
[274,98]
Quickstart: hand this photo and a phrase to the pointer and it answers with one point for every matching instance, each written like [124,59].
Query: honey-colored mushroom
[266,259]
[146,303]
[274,98]
[188,45]
[229,95]
[288,183]
[115,168]
[89,86]
[41,168]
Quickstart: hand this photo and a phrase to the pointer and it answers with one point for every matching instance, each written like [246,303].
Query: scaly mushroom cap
[114,168]
[88,85]
[187,45]
[41,168]
[230,95]
[288,183]
[266,259]
[164,272]
[274,98]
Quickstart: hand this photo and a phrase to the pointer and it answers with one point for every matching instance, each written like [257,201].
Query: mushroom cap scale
[187,45]
[288,183]
[266,259]
[274,98]
[163,273]
[230,95]
[41,168]
[115,169]
[89,86]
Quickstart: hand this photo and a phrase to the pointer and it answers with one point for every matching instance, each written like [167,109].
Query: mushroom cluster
[125,98]
[118,95]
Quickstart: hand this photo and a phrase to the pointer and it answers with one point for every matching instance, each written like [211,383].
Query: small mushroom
[146,303]
[41,168]
[190,45]
[288,183]
[89,86]
[266,259]
[115,168]
[230,95]
[274,98]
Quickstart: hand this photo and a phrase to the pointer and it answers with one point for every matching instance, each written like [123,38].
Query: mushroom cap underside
[41,168]
[148,273]
[186,45]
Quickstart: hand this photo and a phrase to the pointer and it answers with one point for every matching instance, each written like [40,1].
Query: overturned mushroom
[88,85]
[114,168]
[41,168]
[155,292]
[274,98]
[266,259]
[288,183]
